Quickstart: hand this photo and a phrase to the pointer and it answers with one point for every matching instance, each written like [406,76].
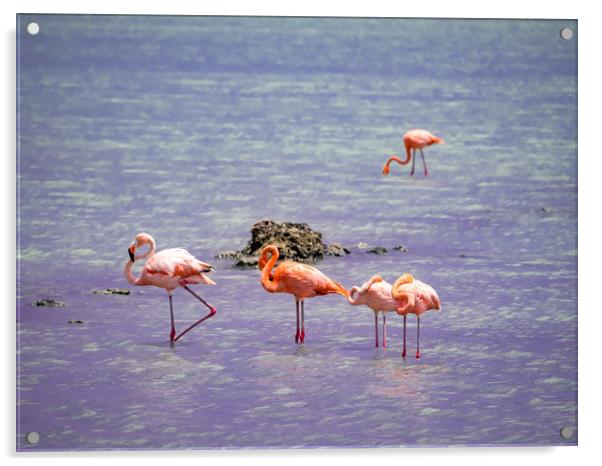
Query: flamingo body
[300,280]
[169,269]
[172,268]
[414,139]
[413,297]
[376,294]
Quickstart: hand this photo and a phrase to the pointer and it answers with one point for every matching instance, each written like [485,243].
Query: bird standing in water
[413,297]
[300,280]
[376,294]
[412,140]
[169,269]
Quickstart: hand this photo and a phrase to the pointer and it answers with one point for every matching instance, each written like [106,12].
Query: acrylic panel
[193,130]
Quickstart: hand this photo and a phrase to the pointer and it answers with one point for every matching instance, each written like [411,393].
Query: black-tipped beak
[131,254]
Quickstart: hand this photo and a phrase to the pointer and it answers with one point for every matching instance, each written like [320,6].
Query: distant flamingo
[414,139]
[169,269]
[300,280]
[413,297]
[376,294]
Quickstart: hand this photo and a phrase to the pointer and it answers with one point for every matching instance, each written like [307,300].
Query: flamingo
[376,294]
[413,297]
[300,280]
[414,139]
[169,269]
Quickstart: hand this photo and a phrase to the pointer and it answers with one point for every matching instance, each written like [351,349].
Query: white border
[590,233]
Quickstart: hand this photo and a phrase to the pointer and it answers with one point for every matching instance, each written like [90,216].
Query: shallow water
[192,129]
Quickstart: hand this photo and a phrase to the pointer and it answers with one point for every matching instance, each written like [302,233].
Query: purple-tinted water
[192,129]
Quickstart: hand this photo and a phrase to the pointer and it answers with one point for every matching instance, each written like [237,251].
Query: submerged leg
[302,336]
[418,340]
[426,172]
[212,312]
[384,330]
[172,334]
[298,332]
[375,329]
[403,352]
[413,162]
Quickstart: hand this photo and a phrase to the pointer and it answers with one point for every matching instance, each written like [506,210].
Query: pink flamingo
[413,297]
[414,139]
[376,294]
[300,280]
[169,269]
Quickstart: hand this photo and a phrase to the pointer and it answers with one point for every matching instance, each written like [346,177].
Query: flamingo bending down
[169,269]
[412,140]
[376,294]
[413,297]
[300,280]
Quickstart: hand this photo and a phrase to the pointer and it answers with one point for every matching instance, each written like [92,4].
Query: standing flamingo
[414,139]
[169,269]
[413,297]
[376,294]
[300,280]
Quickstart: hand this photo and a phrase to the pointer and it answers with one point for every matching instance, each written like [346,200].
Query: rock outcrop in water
[109,291]
[47,302]
[296,241]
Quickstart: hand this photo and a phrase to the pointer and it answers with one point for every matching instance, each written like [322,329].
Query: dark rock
[335,249]
[122,291]
[296,241]
[228,255]
[377,250]
[75,321]
[47,302]
[400,248]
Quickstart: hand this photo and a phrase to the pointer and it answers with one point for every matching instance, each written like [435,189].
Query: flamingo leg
[302,336]
[172,334]
[426,172]
[413,162]
[375,329]
[212,312]
[384,330]
[418,341]
[403,352]
[298,330]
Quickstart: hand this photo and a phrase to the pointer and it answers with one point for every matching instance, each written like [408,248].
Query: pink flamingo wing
[305,280]
[176,262]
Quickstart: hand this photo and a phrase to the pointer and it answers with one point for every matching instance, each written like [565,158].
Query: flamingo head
[140,240]
[386,170]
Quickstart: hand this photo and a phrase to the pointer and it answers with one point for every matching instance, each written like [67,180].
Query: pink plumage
[376,294]
[413,297]
[169,269]
[301,280]
[414,139]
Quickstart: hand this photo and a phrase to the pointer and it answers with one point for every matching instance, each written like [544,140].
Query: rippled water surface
[192,129]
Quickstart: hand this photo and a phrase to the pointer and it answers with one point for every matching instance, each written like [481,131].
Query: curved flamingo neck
[137,281]
[269,285]
[354,291]
[150,252]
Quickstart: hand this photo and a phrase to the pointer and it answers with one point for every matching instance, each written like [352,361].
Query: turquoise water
[194,128]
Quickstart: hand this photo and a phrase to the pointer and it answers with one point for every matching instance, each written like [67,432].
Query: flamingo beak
[131,251]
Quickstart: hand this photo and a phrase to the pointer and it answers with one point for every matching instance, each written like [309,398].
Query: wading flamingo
[169,269]
[300,280]
[412,140]
[376,294]
[413,297]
